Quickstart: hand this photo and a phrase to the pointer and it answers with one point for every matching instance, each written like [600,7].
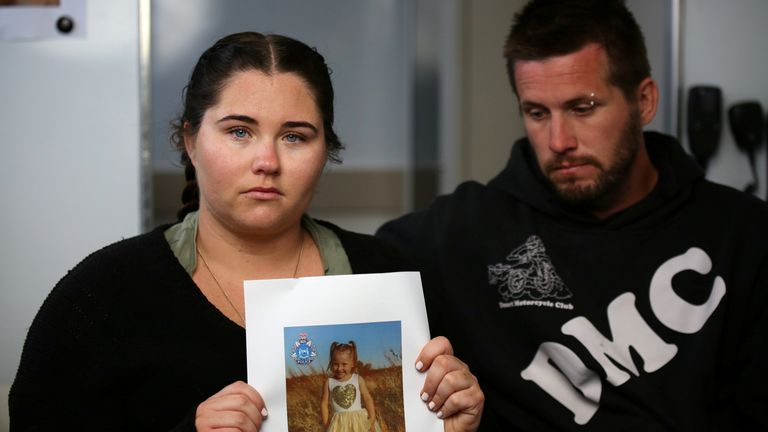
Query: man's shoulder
[471,206]
[346,235]
[729,199]
[468,197]
[366,253]
[739,214]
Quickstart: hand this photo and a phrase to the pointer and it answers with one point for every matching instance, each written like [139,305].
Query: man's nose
[561,136]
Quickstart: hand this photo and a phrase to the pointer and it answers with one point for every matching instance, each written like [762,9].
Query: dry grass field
[386,387]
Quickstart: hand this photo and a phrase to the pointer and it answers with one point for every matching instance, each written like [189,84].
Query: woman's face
[342,365]
[258,153]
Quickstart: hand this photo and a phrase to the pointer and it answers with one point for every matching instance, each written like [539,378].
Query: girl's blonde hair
[342,347]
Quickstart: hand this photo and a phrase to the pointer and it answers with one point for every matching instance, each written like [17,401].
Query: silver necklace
[223,291]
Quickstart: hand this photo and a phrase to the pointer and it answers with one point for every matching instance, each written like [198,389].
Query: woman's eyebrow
[239,117]
[299,124]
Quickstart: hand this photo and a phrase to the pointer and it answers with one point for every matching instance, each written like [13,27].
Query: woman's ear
[647,100]
[189,142]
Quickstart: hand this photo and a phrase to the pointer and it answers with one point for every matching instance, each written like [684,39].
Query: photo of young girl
[345,378]
[346,394]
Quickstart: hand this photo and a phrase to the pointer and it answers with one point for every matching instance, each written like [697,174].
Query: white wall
[723,44]
[69,171]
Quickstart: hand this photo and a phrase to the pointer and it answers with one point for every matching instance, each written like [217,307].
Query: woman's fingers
[434,348]
[436,358]
[237,407]
[450,389]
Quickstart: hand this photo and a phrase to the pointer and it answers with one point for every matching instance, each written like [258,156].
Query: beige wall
[491,122]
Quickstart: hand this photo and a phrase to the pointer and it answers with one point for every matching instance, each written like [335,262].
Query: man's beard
[602,190]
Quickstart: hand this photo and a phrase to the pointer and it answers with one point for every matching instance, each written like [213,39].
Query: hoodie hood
[678,173]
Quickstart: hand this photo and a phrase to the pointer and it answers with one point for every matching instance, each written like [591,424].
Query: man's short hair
[549,28]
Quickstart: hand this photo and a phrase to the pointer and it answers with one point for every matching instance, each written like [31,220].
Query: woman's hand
[237,407]
[450,389]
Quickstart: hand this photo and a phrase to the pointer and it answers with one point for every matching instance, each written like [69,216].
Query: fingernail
[431,405]
[264,412]
[439,414]
[419,365]
[424,396]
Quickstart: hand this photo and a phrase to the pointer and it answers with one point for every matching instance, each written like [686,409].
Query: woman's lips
[263,193]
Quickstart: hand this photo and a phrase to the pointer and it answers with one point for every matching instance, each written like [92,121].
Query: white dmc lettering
[673,311]
[577,387]
[583,402]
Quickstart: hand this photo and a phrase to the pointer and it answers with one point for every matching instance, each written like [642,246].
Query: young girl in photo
[346,394]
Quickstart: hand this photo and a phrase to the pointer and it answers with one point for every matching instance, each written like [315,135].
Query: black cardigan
[126,340]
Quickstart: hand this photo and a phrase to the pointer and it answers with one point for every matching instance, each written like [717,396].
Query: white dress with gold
[348,412]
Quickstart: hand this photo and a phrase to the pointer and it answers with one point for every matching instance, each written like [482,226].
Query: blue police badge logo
[303,352]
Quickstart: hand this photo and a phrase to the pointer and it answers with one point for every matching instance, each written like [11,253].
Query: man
[599,282]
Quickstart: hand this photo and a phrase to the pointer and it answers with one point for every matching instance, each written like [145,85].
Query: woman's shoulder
[125,253]
[124,263]
[118,277]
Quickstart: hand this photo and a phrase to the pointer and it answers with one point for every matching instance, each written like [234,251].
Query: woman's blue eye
[239,133]
[292,138]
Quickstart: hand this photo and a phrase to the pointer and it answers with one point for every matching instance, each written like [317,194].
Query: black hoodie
[652,319]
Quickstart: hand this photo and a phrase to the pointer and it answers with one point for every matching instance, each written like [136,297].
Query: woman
[147,334]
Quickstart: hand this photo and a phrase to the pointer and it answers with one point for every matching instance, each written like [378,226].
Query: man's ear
[647,99]
[189,142]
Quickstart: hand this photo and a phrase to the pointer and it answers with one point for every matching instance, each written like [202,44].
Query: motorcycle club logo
[528,278]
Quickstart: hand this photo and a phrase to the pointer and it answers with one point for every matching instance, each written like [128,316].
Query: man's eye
[583,109]
[536,114]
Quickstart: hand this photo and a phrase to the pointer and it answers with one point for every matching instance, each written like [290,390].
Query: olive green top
[182,239]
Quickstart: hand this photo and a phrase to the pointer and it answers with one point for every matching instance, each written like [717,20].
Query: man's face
[585,132]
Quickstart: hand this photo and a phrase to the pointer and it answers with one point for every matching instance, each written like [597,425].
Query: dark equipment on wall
[747,126]
[705,106]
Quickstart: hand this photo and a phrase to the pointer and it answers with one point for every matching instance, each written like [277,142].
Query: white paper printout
[290,324]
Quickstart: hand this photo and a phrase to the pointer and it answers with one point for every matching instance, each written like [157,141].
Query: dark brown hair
[240,52]
[548,28]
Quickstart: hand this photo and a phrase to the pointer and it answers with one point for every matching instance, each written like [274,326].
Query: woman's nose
[266,159]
